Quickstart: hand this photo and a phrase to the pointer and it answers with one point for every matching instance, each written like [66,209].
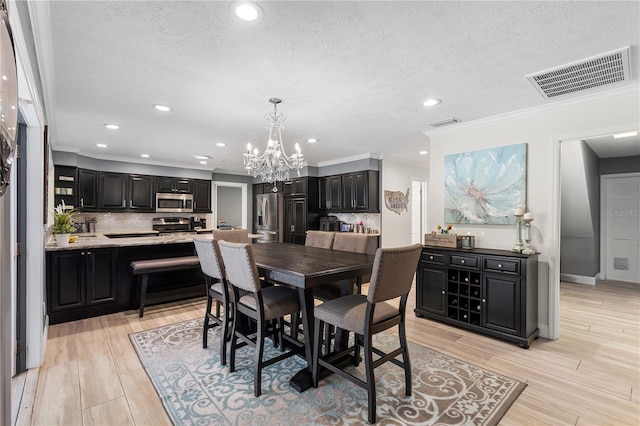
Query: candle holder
[519,246]
[527,236]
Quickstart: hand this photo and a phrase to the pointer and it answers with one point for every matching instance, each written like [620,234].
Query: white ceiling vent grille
[444,122]
[608,68]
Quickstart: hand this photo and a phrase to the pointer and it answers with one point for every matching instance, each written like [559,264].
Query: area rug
[196,390]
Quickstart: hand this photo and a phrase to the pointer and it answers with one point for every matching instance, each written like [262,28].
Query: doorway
[229,204]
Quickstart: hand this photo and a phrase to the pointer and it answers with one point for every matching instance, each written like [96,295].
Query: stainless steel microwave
[174,203]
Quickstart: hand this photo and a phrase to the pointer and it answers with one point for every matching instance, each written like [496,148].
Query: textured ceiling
[352,74]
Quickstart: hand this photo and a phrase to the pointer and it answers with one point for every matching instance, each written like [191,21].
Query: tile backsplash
[116,222]
[370,220]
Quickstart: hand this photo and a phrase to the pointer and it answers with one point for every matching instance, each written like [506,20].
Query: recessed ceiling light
[431,102]
[201,157]
[162,108]
[312,140]
[221,144]
[625,135]
[101,145]
[247,11]
[203,162]
[144,155]
[112,126]
[424,152]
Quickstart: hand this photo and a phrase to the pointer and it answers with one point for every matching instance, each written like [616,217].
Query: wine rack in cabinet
[494,292]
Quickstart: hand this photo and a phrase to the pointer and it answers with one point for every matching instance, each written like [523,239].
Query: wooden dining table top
[307,267]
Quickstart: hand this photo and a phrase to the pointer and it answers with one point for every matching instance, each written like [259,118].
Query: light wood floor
[591,375]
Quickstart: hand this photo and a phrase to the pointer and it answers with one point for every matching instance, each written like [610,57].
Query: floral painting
[485,186]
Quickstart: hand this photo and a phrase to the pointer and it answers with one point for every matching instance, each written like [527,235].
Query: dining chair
[262,304]
[392,277]
[213,269]
[321,239]
[231,235]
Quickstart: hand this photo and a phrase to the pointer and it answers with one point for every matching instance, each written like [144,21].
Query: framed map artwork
[485,186]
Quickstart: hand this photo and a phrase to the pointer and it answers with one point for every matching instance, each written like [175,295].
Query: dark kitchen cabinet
[142,193]
[494,292]
[173,184]
[330,192]
[112,191]
[295,220]
[87,190]
[360,191]
[295,187]
[201,196]
[80,280]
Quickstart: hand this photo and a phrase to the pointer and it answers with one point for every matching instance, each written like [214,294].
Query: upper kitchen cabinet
[330,192]
[295,187]
[87,190]
[142,193]
[173,184]
[112,191]
[201,196]
[360,192]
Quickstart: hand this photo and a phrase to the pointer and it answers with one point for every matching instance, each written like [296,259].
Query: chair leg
[279,333]
[316,352]
[224,334]
[257,378]
[234,340]
[405,358]
[371,381]
[356,352]
[205,328]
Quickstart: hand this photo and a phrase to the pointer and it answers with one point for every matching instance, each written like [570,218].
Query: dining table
[304,268]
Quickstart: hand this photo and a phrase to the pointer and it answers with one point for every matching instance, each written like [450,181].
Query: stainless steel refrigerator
[269,217]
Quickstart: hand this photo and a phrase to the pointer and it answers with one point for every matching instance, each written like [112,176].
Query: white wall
[396,229]
[541,130]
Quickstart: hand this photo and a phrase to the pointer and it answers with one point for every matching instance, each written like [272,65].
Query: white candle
[527,216]
[517,212]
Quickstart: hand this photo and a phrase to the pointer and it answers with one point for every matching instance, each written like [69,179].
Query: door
[142,193]
[431,281]
[67,275]
[87,190]
[201,196]
[501,304]
[101,276]
[621,217]
[112,191]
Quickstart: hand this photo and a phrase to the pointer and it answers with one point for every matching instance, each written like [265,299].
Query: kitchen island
[93,276]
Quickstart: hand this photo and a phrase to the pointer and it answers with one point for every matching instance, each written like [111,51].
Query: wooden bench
[142,268]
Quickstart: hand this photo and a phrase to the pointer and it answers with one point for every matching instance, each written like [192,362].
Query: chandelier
[274,164]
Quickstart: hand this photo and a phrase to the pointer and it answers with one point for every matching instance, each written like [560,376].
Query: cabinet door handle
[442,291]
[462,261]
[466,280]
[82,253]
[499,265]
[484,300]
[82,202]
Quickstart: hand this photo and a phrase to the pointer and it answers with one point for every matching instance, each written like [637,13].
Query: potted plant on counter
[62,225]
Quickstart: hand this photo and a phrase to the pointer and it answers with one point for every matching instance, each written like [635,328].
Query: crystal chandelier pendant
[274,164]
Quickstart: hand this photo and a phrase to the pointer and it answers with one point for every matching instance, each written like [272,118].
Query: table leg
[302,380]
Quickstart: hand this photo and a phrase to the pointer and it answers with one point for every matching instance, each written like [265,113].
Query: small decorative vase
[62,240]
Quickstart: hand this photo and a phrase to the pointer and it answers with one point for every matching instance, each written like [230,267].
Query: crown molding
[365,156]
[624,91]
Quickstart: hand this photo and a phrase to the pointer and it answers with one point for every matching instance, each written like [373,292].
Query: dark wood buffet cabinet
[494,292]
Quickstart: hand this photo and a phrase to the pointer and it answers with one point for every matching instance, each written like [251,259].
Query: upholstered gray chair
[231,235]
[392,277]
[321,239]
[213,268]
[262,304]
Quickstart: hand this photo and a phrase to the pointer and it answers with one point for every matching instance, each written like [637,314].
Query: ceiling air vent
[444,122]
[601,70]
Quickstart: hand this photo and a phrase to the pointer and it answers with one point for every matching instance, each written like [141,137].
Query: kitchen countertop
[98,240]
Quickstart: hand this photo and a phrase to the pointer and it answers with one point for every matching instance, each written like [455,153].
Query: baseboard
[544,330]
[579,279]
